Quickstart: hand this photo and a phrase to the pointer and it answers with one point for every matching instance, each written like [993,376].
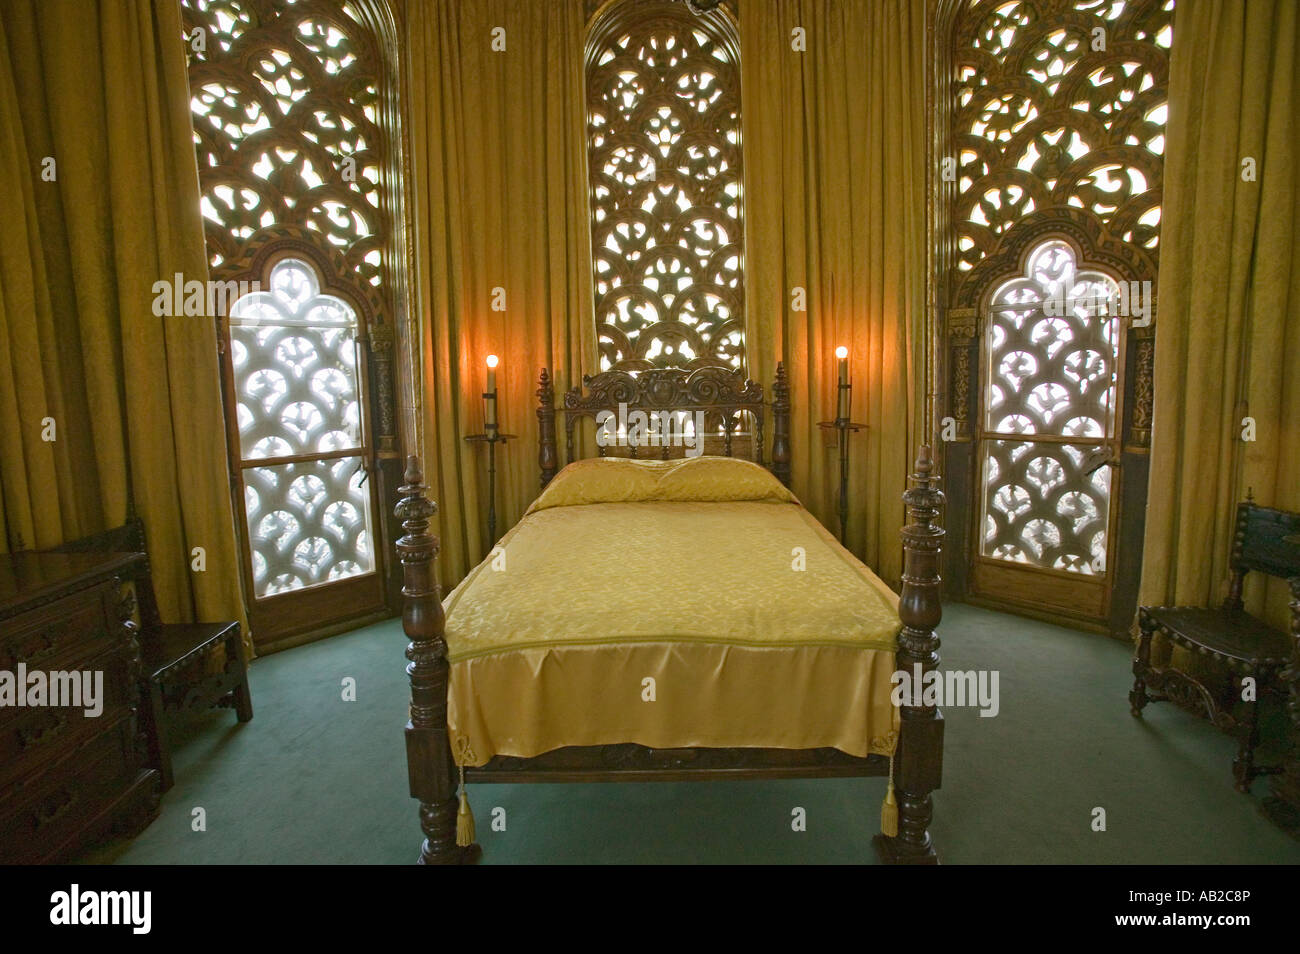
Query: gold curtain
[835,204]
[1229,298]
[100,88]
[497,147]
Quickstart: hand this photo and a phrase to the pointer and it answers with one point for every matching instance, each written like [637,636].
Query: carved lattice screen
[1050,347]
[297,388]
[1044,122]
[663,99]
[286,124]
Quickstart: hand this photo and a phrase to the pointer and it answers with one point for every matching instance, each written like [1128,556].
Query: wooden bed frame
[720,393]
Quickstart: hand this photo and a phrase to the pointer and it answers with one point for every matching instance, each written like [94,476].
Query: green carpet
[314,779]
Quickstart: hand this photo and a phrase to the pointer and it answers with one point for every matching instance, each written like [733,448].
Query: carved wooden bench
[1267,540]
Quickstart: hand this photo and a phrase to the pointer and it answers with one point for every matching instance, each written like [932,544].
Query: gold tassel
[464,817]
[889,809]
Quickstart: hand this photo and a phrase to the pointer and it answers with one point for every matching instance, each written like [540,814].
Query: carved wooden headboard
[731,405]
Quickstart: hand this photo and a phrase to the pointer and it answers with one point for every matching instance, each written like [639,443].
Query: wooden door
[298,427]
[1047,438]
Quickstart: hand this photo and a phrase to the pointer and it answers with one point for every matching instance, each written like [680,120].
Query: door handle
[1103,455]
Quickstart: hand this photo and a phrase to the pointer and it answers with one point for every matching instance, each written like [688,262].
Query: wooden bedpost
[781,425]
[546,428]
[428,749]
[918,762]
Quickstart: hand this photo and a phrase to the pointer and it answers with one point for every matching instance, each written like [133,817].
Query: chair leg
[1243,766]
[243,698]
[1137,697]
[158,734]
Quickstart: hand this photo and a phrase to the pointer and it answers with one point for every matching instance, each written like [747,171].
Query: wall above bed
[833,229]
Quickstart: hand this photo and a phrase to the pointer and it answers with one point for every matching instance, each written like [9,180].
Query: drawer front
[61,634]
[32,737]
[36,821]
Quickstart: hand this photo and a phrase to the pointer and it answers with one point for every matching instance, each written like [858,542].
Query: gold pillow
[623,480]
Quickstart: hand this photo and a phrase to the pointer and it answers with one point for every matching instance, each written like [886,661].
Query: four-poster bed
[496,745]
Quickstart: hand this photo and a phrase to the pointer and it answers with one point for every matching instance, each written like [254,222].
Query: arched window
[291,105]
[1054,117]
[664,153]
[1050,403]
[295,356]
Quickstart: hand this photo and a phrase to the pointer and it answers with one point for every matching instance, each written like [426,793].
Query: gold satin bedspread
[551,639]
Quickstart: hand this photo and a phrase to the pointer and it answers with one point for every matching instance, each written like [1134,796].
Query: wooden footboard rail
[433,779]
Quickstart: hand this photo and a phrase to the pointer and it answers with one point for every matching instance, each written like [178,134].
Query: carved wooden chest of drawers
[72,750]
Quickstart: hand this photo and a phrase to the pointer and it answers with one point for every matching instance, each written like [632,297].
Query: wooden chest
[72,765]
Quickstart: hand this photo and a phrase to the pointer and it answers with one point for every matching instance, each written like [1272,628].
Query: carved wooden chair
[180,660]
[1267,540]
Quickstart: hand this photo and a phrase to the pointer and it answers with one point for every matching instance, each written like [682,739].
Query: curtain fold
[1229,296]
[100,88]
[497,147]
[835,161]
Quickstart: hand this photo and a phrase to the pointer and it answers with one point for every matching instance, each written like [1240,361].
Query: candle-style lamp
[492,436]
[842,408]
[490,395]
[844,427]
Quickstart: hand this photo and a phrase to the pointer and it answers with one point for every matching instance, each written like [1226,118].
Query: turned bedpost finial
[781,425]
[924,460]
[547,461]
[417,548]
[918,606]
[415,509]
[781,388]
[924,499]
